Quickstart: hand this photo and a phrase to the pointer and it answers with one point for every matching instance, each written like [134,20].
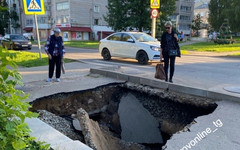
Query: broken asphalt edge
[155,83]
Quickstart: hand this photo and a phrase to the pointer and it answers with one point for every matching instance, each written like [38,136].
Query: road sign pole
[39,46]
[153,27]
[155,5]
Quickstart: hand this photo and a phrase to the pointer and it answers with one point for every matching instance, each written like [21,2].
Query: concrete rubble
[98,138]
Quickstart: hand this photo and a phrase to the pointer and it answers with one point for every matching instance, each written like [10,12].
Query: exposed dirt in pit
[171,110]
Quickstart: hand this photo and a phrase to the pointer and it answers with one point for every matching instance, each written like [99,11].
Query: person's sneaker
[49,80]
[58,80]
[170,80]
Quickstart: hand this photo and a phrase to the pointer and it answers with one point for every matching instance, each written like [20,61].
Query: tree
[196,23]
[14,19]
[219,10]
[117,16]
[139,14]
[130,14]
[14,132]
[167,9]
[4,17]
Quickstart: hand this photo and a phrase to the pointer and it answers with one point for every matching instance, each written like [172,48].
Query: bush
[14,132]
[224,41]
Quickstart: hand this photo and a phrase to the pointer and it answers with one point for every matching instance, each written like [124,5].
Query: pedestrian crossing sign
[34,7]
[155,3]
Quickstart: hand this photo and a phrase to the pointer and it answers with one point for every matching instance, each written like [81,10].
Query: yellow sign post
[35,7]
[155,3]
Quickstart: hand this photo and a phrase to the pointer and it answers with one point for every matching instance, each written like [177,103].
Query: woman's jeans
[172,65]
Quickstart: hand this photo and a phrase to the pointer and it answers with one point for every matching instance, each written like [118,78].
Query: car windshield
[17,37]
[142,37]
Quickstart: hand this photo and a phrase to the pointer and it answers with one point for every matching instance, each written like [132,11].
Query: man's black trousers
[56,60]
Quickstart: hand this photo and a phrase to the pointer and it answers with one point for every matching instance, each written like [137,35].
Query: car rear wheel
[106,54]
[29,48]
[142,58]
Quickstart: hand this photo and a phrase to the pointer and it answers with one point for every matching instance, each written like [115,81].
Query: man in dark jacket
[169,41]
[55,50]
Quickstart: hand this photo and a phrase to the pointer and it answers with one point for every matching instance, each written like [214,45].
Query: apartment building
[15,27]
[182,19]
[45,22]
[80,19]
[203,10]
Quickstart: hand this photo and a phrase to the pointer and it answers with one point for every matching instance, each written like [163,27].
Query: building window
[29,22]
[65,19]
[42,20]
[62,6]
[62,19]
[96,9]
[96,21]
[186,8]
[184,17]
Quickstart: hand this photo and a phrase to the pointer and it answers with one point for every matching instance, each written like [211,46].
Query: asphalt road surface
[199,70]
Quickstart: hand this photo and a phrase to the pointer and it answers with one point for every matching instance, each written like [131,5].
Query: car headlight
[155,48]
[16,43]
[29,43]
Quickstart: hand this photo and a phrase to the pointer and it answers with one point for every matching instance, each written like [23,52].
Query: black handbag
[172,52]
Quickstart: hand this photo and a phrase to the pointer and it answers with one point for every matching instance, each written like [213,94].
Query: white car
[136,45]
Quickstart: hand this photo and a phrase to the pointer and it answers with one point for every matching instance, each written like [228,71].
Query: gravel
[62,125]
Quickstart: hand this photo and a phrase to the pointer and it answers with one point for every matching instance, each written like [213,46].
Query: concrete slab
[74,145]
[217,131]
[134,79]
[44,132]
[154,83]
[138,125]
[187,90]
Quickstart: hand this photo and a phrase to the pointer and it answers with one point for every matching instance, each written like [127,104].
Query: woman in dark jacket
[169,41]
[55,50]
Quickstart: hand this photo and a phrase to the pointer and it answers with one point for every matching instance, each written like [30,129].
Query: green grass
[211,47]
[184,52]
[234,55]
[236,38]
[28,59]
[82,44]
[78,44]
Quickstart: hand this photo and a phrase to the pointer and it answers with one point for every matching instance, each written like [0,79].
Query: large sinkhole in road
[122,116]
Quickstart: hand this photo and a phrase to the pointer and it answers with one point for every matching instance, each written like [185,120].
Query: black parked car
[16,41]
